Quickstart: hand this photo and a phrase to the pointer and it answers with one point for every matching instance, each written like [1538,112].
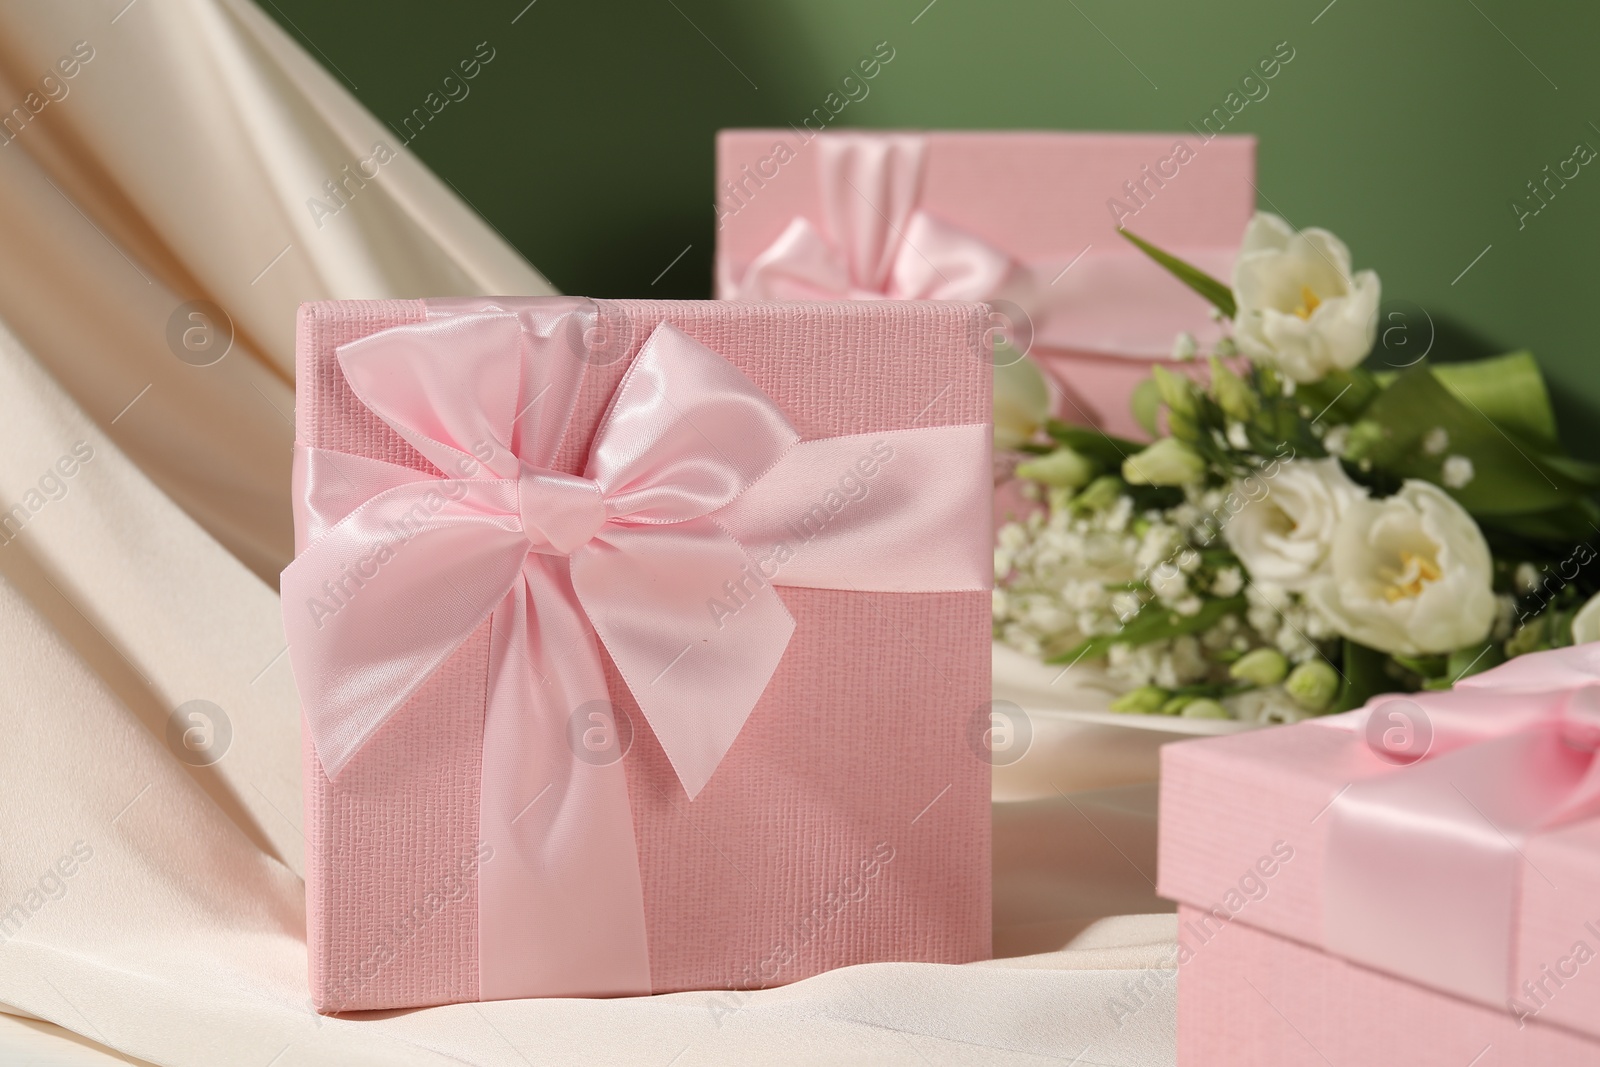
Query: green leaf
[1512,475]
[1187,273]
[1474,659]
[1155,622]
[1533,533]
[1146,404]
[1364,676]
[1507,389]
[1097,445]
[1339,396]
[1425,666]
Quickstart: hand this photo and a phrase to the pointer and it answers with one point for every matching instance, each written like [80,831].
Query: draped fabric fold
[697,499]
[1423,865]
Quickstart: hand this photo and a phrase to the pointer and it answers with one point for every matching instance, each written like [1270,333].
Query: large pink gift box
[847,822]
[1026,220]
[1419,877]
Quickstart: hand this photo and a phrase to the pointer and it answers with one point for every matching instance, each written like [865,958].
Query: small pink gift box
[1419,875]
[540,758]
[1025,220]
[1247,998]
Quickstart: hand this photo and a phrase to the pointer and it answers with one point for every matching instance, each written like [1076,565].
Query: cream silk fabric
[149,504]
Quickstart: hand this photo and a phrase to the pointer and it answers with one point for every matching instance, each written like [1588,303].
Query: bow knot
[560,512]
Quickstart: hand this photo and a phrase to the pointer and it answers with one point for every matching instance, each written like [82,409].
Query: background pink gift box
[1044,198]
[860,752]
[1242,840]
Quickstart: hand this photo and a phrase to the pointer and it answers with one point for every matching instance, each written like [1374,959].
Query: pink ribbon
[877,242]
[882,247]
[1423,866]
[698,498]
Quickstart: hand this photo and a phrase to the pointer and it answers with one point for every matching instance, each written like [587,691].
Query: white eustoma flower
[1300,308]
[1409,574]
[1021,403]
[1283,537]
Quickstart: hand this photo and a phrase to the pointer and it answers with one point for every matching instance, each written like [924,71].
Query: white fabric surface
[177,167]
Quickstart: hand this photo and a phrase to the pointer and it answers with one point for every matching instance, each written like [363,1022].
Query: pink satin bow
[1423,865]
[697,499]
[882,247]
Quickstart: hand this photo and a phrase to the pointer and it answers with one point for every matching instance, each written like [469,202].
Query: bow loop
[870,187]
[687,432]
[448,386]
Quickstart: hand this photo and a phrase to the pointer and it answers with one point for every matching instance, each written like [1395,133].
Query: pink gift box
[1101,313]
[1247,998]
[849,821]
[1244,836]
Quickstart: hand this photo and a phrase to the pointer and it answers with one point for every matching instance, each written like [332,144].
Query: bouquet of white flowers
[1303,533]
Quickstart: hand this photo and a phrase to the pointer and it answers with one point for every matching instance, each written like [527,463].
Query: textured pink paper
[1041,197]
[1225,802]
[1249,999]
[859,746]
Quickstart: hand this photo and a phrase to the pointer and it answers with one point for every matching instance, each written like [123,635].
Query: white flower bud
[1456,472]
[1167,462]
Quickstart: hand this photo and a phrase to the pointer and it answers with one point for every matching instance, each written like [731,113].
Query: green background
[1407,129]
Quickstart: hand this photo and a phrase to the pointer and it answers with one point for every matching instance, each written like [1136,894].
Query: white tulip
[1021,403]
[1409,574]
[1299,307]
[1284,536]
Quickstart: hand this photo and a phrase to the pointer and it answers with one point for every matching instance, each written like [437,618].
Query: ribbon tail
[560,902]
[685,613]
